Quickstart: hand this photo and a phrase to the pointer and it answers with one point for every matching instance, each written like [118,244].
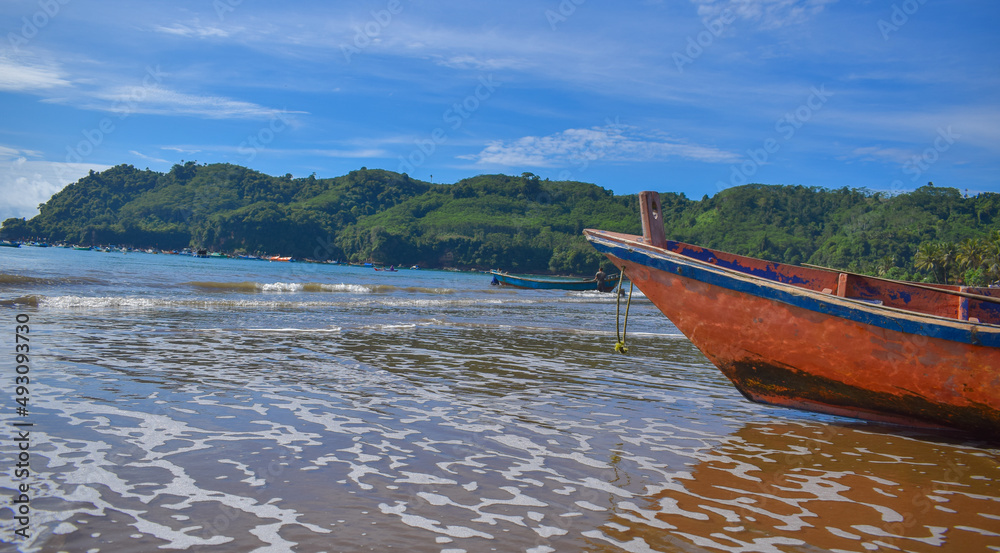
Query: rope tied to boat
[620,330]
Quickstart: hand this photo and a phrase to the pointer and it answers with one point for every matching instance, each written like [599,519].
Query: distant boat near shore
[551,283]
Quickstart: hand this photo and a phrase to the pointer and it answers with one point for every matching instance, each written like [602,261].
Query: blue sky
[689,96]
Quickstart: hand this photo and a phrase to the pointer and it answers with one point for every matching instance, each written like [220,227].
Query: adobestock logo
[562,13]
[264,136]
[47,10]
[455,116]
[697,44]
[900,16]
[123,107]
[364,36]
[786,126]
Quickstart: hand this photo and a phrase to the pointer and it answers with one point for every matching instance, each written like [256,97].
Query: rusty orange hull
[796,346]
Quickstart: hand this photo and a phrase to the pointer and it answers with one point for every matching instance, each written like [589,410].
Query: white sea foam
[282,287]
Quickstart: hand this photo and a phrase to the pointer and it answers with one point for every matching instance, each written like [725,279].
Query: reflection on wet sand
[803,487]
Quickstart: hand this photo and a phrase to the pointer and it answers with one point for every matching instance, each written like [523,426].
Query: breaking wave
[279,287]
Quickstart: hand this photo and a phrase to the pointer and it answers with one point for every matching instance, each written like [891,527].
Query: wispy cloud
[19,155]
[346,153]
[373,153]
[182,149]
[768,14]
[20,77]
[159,100]
[612,142]
[195,29]
[143,156]
[108,91]
[466,61]
[881,153]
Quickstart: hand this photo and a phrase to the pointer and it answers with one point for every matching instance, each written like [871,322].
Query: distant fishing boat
[279,258]
[82,248]
[552,283]
[824,340]
[9,244]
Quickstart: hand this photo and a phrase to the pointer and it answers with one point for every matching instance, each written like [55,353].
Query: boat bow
[823,340]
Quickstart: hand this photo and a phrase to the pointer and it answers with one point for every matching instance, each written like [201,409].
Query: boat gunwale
[555,280]
[633,243]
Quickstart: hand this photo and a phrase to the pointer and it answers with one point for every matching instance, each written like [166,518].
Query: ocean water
[178,403]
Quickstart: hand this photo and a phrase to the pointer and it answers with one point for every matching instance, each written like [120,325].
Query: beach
[180,403]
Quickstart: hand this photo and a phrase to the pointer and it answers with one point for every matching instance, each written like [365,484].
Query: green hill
[518,223]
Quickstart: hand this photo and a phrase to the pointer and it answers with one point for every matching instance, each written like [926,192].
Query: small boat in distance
[9,244]
[553,283]
[279,258]
[824,340]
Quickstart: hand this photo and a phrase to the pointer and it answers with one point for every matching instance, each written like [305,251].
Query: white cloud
[143,156]
[182,149]
[466,61]
[18,77]
[612,142]
[158,100]
[8,153]
[369,153]
[346,153]
[147,96]
[880,153]
[975,126]
[196,30]
[769,14]
[24,184]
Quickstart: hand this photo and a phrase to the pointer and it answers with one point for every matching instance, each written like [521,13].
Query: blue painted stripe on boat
[885,321]
[572,285]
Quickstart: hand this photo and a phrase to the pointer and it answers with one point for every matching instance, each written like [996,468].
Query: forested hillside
[912,236]
[516,223]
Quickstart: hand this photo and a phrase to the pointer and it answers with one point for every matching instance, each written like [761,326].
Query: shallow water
[231,405]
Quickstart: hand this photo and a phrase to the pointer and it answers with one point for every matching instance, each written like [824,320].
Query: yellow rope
[619,329]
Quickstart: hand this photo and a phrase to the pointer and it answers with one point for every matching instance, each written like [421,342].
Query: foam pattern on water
[448,435]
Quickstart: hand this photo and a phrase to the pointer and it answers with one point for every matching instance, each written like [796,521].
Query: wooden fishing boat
[279,258]
[823,340]
[552,283]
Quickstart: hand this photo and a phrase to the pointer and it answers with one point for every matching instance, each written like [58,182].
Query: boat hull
[527,283]
[819,352]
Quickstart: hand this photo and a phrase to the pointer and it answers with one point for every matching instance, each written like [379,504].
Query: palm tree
[948,260]
[928,258]
[885,264]
[970,254]
[991,261]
